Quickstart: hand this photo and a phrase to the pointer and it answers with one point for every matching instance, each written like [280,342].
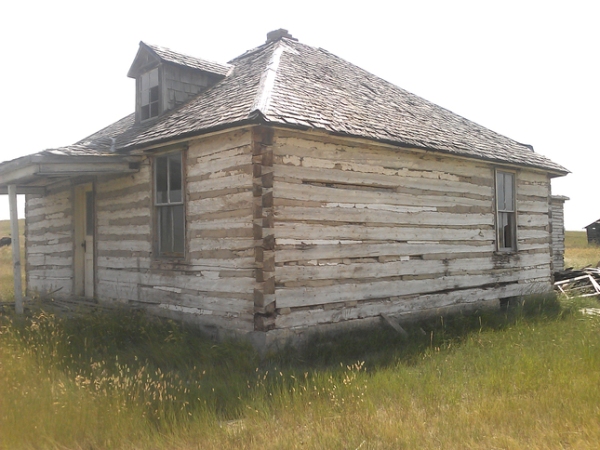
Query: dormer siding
[181,84]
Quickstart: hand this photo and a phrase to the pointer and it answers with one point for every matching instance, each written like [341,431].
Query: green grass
[523,378]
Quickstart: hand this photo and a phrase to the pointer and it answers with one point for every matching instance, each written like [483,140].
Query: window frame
[169,205]
[153,104]
[506,214]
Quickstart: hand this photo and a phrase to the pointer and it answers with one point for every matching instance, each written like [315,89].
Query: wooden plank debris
[395,325]
[578,283]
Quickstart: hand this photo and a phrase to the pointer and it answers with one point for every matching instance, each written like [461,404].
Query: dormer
[165,79]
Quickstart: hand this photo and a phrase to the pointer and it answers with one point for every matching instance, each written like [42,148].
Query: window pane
[506,230]
[509,231]
[161,180]
[172,230]
[145,81]
[500,231]
[175,178]
[170,209]
[500,190]
[508,192]
[149,93]
[178,229]
[154,94]
[164,224]
[145,96]
[153,77]
[154,109]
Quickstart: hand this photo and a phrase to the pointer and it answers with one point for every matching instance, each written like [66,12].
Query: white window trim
[159,206]
[149,89]
[511,212]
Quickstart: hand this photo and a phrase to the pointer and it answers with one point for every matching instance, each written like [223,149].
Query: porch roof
[33,173]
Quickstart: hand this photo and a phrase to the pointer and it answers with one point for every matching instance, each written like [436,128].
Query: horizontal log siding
[558,233]
[49,242]
[363,230]
[221,243]
[123,234]
[214,284]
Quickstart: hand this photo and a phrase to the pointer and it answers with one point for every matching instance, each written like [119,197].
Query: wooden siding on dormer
[181,84]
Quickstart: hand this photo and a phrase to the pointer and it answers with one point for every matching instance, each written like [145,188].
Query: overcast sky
[526,69]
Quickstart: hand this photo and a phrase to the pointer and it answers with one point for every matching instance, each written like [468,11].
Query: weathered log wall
[214,285]
[286,230]
[557,217]
[362,230]
[49,242]
[123,234]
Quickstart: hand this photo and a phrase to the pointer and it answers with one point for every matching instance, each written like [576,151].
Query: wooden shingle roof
[286,83]
[188,61]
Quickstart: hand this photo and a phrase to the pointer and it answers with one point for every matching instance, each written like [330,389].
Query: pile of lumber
[578,283]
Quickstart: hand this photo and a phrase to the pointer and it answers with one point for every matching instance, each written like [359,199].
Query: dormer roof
[149,56]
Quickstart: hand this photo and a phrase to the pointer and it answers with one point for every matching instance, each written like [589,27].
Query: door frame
[80,225]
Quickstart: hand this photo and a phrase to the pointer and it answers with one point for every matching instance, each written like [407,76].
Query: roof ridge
[161,47]
[250,52]
[267,80]
[172,56]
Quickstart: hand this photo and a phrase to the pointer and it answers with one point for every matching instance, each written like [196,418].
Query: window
[149,92]
[506,220]
[169,201]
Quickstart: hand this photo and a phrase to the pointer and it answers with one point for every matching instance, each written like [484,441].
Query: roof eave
[26,172]
[552,172]
[253,119]
[256,117]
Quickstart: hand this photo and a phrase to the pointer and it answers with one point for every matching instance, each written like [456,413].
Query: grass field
[578,253]
[523,378]
[526,378]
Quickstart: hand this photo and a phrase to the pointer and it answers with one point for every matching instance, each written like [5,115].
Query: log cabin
[285,192]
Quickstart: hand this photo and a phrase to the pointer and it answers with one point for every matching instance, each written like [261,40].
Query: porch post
[16,248]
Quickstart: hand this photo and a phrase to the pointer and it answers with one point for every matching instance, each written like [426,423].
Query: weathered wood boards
[49,241]
[365,230]
[557,222]
[215,283]
[286,230]
[578,283]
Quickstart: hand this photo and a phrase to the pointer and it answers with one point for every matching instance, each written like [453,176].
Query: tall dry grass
[7,291]
[523,378]
[578,253]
